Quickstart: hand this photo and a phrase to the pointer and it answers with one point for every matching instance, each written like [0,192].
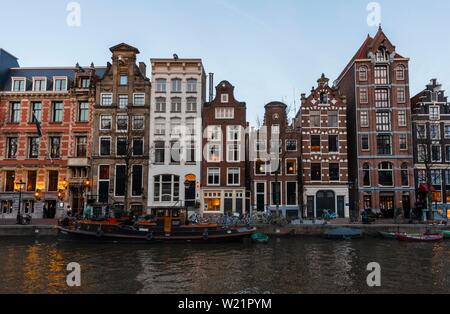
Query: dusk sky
[269,50]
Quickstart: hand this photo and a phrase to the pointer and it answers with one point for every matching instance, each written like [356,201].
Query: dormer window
[18,84]
[382,55]
[123,80]
[85,83]
[60,84]
[39,84]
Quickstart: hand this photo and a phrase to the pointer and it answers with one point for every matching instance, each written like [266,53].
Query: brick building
[50,168]
[274,164]
[431,134]
[376,83]
[323,121]
[120,127]
[224,179]
[178,95]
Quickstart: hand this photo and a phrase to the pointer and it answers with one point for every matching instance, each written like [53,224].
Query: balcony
[78,162]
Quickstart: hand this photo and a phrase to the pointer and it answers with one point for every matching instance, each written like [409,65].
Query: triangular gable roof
[124,47]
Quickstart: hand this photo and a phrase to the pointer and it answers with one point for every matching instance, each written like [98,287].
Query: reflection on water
[283,266]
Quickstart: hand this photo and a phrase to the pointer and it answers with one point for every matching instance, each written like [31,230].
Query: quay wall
[28,231]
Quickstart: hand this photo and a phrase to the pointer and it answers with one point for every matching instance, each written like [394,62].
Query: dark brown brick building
[224,180]
[376,83]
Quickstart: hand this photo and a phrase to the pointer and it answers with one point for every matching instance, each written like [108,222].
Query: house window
[12,147]
[18,85]
[333,119]
[323,98]
[234,176]
[382,98]
[365,142]
[436,155]
[122,123]
[214,153]
[234,152]
[29,206]
[161,85]
[7,207]
[105,146]
[103,188]
[366,175]
[176,86]
[160,152]
[403,139]
[83,112]
[291,145]
[191,126]
[33,147]
[191,105]
[333,143]
[225,113]
[363,73]
[85,83]
[384,145]
[121,146]
[123,80]
[435,131]
[176,105]
[405,175]
[39,85]
[234,133]
[36,112]
[224,98]
[60,84]
[422,153]
[386,174]
[136,181]
[175,153]
[190,152]
[421,131]
[291,167]
[53,181]
[105,123]
[364,117]
[213,176]
[315,119]
[160,127]
[402,118]
[315,144]
[58,112]
[291,193]
[400,73]
[436,177]
[107,99]
[383,120]
[81,146]
[401,95]
[55,147]
[363,96]
[381,75]
[276,193]
[316,172]
[15,112]
[447,131]
[138,123]
[434,113]
[175,127]
[160,105]
[447,156]
[334,172]
[121,178]
[10,183]
[139,99]
[138,147]
[191,85]
[123,101]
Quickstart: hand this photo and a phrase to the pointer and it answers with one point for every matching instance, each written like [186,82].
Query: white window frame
[55,78]
[39,79]
[361,115]
[133,122]
[231,151]
[272,194]
[120,97]
[239,176]
[286,166]
[294,141]
[115,176]
[217,172]
[22,79]
[296,193]
[101,99]
[399,140]
[446,135]
[138,95]
[209,146]
[225,113]
[403,113]
[435,116]
[117,123]
[100,146]
[100,122]
[224,98]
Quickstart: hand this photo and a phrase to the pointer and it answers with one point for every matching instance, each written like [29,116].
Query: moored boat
[420,238]
[393,235]
[344,234]
[445,233]
[259,237]
[167,225]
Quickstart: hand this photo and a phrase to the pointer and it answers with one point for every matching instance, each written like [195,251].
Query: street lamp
[21,184]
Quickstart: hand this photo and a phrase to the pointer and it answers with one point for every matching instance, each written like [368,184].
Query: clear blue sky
[270,50]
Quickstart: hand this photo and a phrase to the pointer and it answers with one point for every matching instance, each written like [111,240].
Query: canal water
[283,266]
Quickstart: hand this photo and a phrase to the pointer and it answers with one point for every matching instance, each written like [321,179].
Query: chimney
[143,68]
[211,87]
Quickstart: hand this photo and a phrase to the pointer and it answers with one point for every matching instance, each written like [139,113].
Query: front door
[260,197]
[406,202]
[168,221]
[387,205]
[325,201]
[341,206]
[50,208]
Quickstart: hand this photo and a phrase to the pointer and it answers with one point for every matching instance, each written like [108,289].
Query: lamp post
[20,184]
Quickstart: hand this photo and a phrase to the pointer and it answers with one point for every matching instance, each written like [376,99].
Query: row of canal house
[120,136]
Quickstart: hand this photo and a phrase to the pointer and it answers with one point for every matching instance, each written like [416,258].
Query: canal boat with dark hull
[164,225]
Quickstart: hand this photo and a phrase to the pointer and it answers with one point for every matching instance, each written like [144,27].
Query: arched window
[405,175]
[400,73]
[166,188]
[366,174]
[363,73]
[386,174]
